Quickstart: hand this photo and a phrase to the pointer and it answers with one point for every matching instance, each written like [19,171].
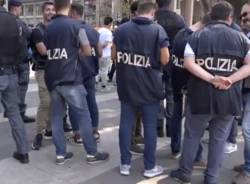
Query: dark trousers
[232,138]
[176,131]
[137,131]
[23,72]
[195,126]
[168,113]
[112,72]
[127,120]
[92,105]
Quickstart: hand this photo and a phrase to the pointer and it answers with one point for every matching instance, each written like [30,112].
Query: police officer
[137,137]
[63,77]
[15,7]
[179,81]
[172,23]
[218,58]
[139,82]
[244,169]
[90,67]
[9,52]
[40,59]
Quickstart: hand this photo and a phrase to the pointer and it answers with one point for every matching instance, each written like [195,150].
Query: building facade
[96,10]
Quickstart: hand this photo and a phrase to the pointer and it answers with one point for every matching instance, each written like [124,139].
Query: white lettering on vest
[178,62]
[57,54]
[218,64]
[93,53]
[133,60]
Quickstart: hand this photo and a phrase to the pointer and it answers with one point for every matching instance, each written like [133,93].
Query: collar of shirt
[142,20]
[59,16]
[218,22]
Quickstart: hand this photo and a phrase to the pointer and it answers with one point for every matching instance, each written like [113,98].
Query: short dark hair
[47,3]
[61,4]
[222,10]
[78,8]
[145,6]
[163,3]
[134,7]
[108,21]
[206,19]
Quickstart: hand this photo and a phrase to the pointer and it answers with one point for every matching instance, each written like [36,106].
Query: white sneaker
[157,170]
[125,170]
[230,148]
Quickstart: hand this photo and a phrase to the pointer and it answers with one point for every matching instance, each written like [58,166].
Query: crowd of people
[201,72]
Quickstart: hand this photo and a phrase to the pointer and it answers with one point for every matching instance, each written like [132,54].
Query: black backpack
[10,44]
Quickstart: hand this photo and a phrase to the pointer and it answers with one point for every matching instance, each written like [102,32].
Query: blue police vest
[90,65]
[10,40]
[139,80]
[179,74]
[61,40]
[220,50]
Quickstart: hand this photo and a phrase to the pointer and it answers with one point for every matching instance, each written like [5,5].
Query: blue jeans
[176,131]
[92,105]
[246,130]
[9,99]
[75,97]
[127,123]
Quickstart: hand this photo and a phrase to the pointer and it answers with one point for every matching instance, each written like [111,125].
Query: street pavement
[43,170]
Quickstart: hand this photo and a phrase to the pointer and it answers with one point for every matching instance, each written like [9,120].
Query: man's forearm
[241,74]
[197,70]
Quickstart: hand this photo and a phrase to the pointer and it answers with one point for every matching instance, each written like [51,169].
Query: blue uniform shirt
[138,44]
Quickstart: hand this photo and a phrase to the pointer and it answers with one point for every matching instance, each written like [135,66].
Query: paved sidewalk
[43,170]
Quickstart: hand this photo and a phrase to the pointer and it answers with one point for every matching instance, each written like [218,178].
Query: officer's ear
[230,20]
[152,13]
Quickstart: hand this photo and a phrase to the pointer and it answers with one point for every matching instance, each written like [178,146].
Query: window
[29,10]
[39,10]
[178,4]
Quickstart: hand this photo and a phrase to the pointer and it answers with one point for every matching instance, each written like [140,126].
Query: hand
[221,83]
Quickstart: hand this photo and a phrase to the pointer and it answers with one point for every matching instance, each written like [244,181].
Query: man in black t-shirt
[172,23]
[218,58]
[40,59]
